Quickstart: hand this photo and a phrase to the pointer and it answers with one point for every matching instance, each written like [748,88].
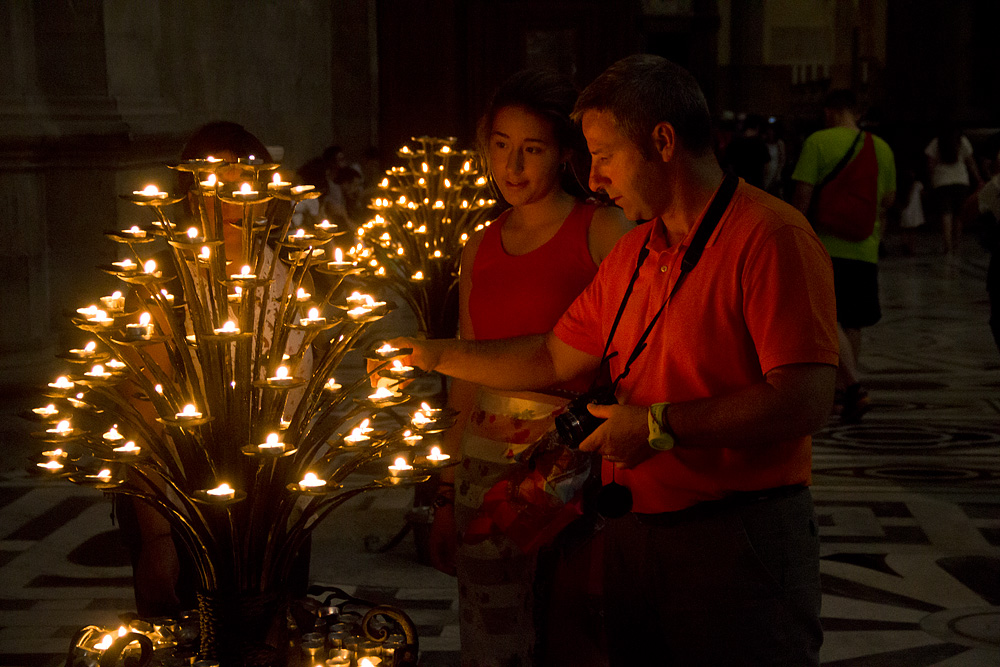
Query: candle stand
[235,433]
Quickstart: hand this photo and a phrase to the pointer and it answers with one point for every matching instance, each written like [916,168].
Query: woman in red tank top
[518,276]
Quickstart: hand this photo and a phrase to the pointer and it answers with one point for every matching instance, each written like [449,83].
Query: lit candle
[229,327]
[56,453]
[436,457]
[149,193]
[325,226]
[300,189]
[276,182]
[222,492]
[302,295]
[312,318]
[51,466]
[398,368]
[419,275]
[134,232]
[62,428]
[205,254]
[113,435]
[338,260]
[356,298]
[236,295]
[244,274]
[97,372]
[246,192]
[114,365]
[141,331]
[104,475]
[281,377]
[400,468]
[188,413]
[192,233]
[167,296]
[62,382]
[126,265]
[359,434]
[386,350]
[311,481]
[383,394]
[301,235]
[411,438]
[88,350]
[209,182]
[100,317]
[331,385]
[150,267]
[46,411]
[359,312]
[114,301]
[128,449]
[272,443]
[420,419]
[105,643]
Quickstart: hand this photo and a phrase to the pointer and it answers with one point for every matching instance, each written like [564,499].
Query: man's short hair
[643,90]
[841,99]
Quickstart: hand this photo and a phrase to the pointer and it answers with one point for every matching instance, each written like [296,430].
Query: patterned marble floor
[908,504]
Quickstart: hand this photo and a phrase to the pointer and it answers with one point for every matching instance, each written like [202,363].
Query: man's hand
[424,356]
[623,438]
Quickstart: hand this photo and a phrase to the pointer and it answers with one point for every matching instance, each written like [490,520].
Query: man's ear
[664,140]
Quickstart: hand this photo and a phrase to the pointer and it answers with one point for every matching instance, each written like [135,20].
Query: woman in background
[950,165]
[518,276]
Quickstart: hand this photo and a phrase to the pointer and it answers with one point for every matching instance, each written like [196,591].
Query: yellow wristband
[661,436]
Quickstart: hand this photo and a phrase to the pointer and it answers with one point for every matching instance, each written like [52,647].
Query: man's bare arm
[524,363]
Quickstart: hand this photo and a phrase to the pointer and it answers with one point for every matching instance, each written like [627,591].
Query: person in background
[164,575]
[951,166]
[717,563]
[518,275]
[855,263]
[747,155]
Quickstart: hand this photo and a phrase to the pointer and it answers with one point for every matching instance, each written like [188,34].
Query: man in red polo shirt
[718,560]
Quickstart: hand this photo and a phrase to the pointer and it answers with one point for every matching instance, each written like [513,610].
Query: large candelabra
[424,215]
[200,392]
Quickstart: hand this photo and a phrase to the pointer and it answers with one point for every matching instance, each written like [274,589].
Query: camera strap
[691,256]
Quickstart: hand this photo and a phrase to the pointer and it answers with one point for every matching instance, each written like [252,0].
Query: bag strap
[814,199]
[718,206]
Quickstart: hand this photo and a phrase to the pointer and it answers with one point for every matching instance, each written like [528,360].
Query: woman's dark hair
[949,142]
[215,138]
[550,95]
[643,90]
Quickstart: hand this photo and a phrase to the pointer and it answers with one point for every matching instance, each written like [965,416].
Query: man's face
[620,169]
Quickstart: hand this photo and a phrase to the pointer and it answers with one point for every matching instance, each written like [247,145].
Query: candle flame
[400,462]
[149,266]
[144,319]
[159,390]
[272,438]
[97,369]
[245,189]
[211,180]
[338,255]
[281,372]
[435,452]
[63,427]
[221,490]
[90,346]
[310,480]
[245,271]
[151,190]
[313,313]
[105,643]
[192,232]
[51,465]
[276,179]
[189,409]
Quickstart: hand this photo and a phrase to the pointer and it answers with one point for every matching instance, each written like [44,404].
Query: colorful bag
[845,203]
[533,502]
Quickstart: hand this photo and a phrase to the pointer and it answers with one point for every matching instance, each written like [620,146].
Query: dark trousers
[732,582]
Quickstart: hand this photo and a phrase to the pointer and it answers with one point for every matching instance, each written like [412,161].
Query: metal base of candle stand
[248,630]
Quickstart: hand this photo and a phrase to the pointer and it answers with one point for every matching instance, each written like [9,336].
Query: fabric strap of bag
[814,200]
[691,256]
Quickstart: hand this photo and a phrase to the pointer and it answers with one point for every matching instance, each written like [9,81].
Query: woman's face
[524,155]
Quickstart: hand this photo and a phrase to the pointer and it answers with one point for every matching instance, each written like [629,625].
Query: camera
[577,423]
